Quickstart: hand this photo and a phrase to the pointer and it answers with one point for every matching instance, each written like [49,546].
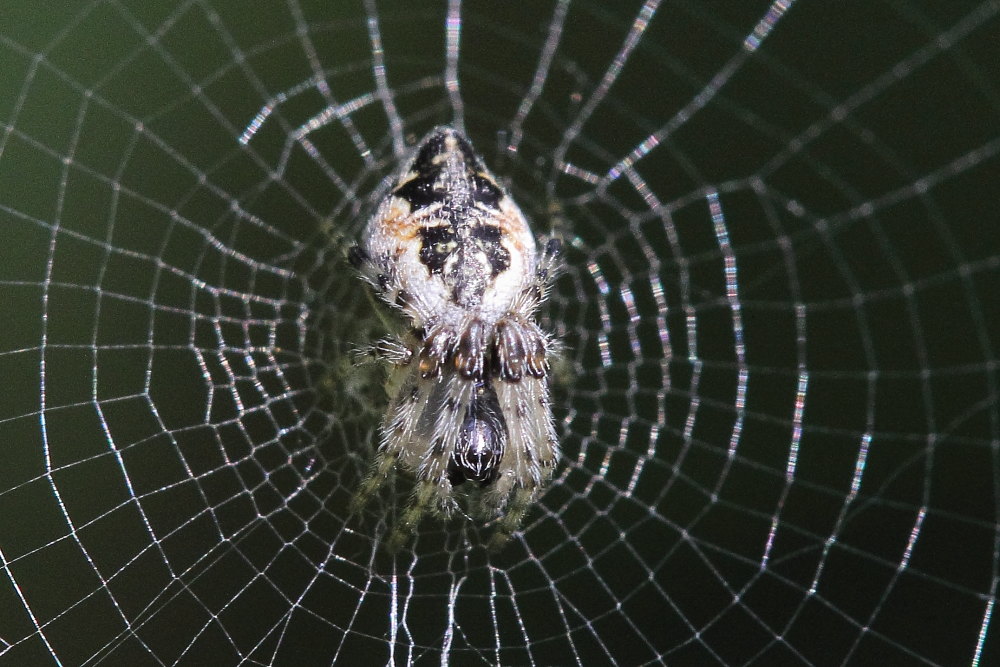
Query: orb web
[777,404]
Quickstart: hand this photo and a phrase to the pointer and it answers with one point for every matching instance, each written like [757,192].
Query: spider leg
[531,455]
[548,266]
[406,409]
[373,481]
[423,497]
[390,350]
[517,508]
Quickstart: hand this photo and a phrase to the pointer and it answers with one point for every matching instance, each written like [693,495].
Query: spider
[452,254]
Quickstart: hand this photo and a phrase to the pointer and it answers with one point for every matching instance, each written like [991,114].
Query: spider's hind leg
[509,522]
[400,422]
[531,456]
[373,481]
[425,495]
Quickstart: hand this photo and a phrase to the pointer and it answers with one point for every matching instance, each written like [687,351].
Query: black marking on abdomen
[454,177]
[487,237]
[419,191]
[485,191]
[437,244]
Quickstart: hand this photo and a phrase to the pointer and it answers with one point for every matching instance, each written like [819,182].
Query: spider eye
[481,440]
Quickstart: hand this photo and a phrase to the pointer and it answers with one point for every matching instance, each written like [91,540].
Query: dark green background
[152,267]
